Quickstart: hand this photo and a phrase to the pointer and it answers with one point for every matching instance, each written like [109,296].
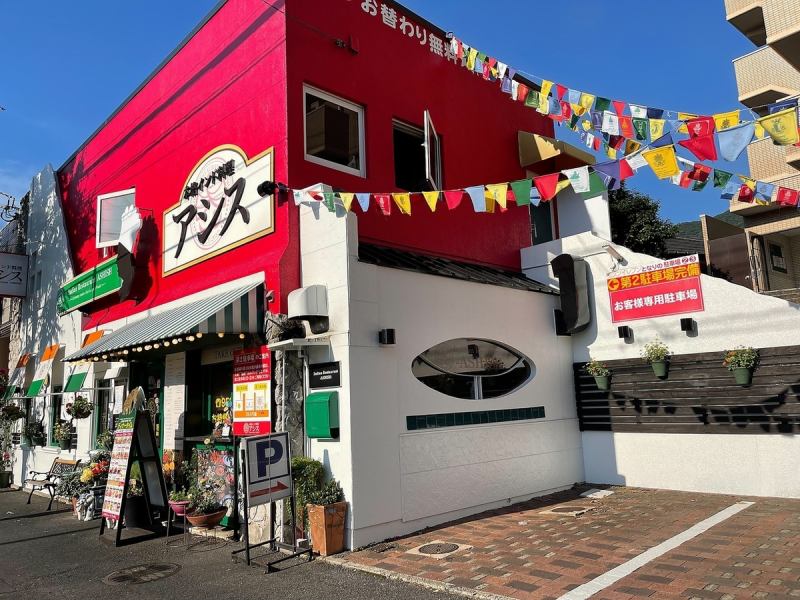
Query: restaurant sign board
[13,274]
[251,391]
[671,287]
[89,286]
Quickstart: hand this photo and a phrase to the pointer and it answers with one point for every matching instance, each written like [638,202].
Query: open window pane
[409,158]
[109,216]
[334,131]
[433,154]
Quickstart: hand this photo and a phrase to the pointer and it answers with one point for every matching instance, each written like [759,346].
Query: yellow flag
[782,126]
[611,152]
[563,184]
[403,202]
[431,198]
[587,125]
[489,198]
[685,117]
[751,183]
[578,109]
[544,103]
[662,161]
[726,120]
[499,192]
[759,132]
[347,199]
[586,100]
[656,128]
[471,56]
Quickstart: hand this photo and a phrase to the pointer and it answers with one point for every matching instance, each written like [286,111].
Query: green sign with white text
[87,287]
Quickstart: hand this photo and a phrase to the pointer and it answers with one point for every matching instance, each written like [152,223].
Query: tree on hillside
[635,223]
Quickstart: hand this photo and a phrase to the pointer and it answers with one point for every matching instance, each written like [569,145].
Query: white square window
[109,216]
[334,132]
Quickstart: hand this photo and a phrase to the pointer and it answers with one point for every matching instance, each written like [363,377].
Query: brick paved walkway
[519,552]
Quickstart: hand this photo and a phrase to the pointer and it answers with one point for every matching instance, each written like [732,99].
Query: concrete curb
[438,586]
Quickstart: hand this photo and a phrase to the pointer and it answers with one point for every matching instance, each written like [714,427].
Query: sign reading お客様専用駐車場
[667,288]
[219,208]
[89,286]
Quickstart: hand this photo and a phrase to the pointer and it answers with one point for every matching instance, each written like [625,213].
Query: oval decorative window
[472,368]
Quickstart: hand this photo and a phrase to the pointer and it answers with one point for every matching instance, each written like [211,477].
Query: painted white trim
[100,198]
[359,110]
[609,578]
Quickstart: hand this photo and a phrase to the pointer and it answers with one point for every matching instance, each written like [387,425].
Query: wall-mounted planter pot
[603,382]
[743,376]
[660,368]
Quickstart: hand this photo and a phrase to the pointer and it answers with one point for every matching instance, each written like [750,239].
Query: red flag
[699,172]
[626,127]
[616,141]
[546,184]
[566,110]
[700,126]
[522,92]
[787,197]
[625,170]
[619,106]
[453,198]
[384,202]
[560,90]
[685,180]
[596,143]
[745,193]
[701,146]
[460,51]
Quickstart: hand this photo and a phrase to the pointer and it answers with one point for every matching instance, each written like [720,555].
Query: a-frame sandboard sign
[134,441]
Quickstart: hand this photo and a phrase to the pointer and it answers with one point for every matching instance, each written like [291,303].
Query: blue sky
[70,64]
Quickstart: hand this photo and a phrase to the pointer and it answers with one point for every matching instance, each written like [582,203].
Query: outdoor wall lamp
[688,325]
[386,337]
[625,333]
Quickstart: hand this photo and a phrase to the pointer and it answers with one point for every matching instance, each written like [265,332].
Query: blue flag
[730,189]
[764,191]
[654,113]
[597,120]
[574,96]
[363,201]
[664,140]
[734,140]
[476,194]
[782,105]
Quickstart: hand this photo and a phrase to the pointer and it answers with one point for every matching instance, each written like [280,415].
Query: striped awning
[240,310]
[78,374]
[16,382]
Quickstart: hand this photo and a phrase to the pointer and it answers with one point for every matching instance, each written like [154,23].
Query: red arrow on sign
[279,486]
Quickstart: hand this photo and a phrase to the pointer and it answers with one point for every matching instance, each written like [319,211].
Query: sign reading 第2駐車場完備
[667,288]
[219,208]
[89,286]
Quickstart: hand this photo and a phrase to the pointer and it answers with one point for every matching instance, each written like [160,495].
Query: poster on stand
[252,394]
[118,467]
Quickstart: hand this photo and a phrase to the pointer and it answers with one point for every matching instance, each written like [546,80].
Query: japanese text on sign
[252,391]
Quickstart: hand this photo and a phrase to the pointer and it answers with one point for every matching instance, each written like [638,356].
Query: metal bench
[48,480]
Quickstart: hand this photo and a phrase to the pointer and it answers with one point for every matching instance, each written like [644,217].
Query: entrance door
[217,389]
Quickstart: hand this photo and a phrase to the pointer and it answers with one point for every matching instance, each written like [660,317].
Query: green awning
[75,381]
[35,388]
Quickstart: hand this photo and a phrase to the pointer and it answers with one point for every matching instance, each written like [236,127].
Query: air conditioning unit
[310,304]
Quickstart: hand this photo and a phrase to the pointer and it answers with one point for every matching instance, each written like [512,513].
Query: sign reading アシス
[251,391]
[13,274]
[667,288]
[219,208]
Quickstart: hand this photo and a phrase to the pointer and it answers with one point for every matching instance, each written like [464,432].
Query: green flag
[640,127]
[699,185]
[329,201]
[532,99]
[601,104]
[522,191]
[721,178]
[596,186]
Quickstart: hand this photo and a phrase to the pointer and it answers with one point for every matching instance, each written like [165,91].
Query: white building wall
[733,315]
[398,481]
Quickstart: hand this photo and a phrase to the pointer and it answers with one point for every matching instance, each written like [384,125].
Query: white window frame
[359,110]
[433,171]
[100,198]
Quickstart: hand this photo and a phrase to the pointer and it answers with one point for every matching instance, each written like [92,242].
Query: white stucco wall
[578,215]
[733,315]
[399,481]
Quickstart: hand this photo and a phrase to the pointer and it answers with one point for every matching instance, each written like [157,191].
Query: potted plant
[9,415]
[742,361]
[657,354]
[601,373]
[80,408]
[326,515]
[71,486]
[62,433]
[205,509]
[135,504]
[33,434]
[307,477]
[105,440]
[179,502]
[5,472]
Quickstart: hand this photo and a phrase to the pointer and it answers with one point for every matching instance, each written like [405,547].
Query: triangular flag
[596,186]
[699,185]
[626,127]
[787,197]
[726,120]
[664,140]
[682,116]
[489,200]
[384,202]
[746,193]
[764,192]
[734,140]
[782,127]
[730,190]
[640,127]
[636,161]
[601,104]
[619,107]
[640,112]
[329,201]
[699,172]
[432,198]
[499,191]
[363,201]
[610,123]
[347,200]
[560,91]
[701,146]
[403,201]
[561,185]
[546,184]
[700,126]
[578,178]
[574,96]
[453,198]
[586,100]
[662,161]
[656,128]
[476,194]
[654,113]
[522,191]
[631,147]
[721,178]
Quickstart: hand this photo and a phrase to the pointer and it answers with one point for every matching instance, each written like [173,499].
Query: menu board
[118,467]
[174,398]
[252,395]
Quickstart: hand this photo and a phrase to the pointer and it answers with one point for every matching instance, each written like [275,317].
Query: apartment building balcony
[793,156]
[769,162]
[748,17]
[782,21]
[763,77]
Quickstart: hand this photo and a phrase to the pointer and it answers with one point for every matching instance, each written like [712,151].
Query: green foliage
[597,369]
[307,476]
[635,223]
[740,357]
[62,431]
[11,413]
[655,351]
[80,408]
[105,440]
[179,495]
[330,493]
[71,486]
[34,431]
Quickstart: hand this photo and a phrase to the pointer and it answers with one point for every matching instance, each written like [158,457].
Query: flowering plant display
[62,431]
[655,351]
[597,369]
[740,357]
[80,408]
